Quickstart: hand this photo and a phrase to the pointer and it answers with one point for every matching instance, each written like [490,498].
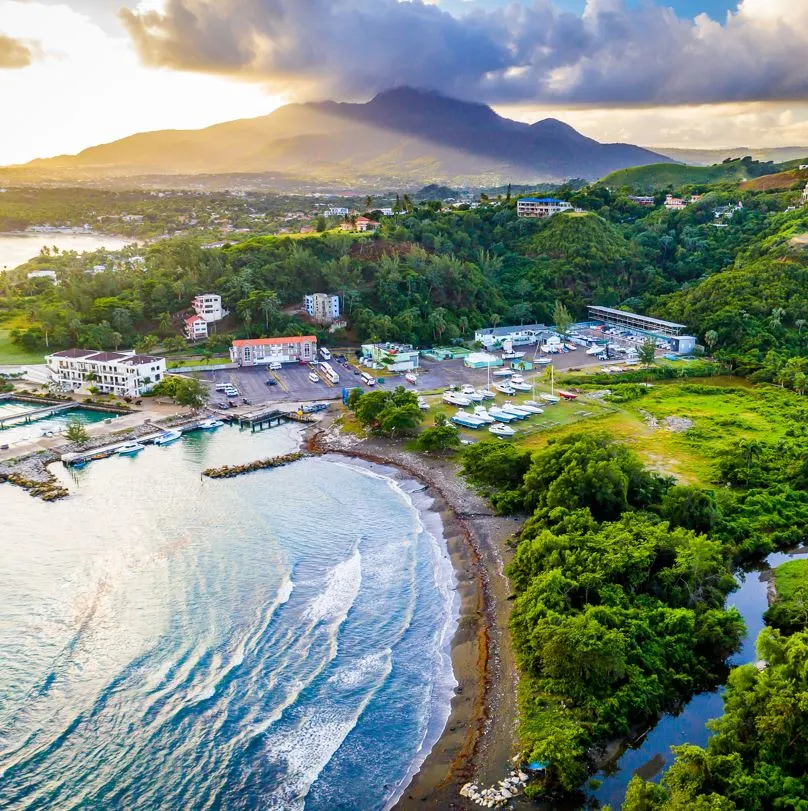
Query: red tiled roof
[193,318]
[292,339]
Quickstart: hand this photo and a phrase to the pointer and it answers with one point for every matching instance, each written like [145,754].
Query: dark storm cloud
[14,54]
[531,52]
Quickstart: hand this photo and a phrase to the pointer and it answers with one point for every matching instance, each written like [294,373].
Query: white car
[275,366]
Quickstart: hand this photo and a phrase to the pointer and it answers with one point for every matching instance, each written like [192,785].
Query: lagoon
[15,249]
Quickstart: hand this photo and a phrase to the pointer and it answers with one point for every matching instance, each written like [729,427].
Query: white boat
[550,398]
[487,394]
[467,420]
[595,350]
[455,398]
[315,378]
[482,413]
[530,408]
[505,388]
[513,355]
[411,378]
[521,413]
[167,437]
[521,386]
[422,404]
[210,424]
[543,361]
[501,416]
[504,431]
[471,393]
[129,449]
[535,404]
[502,373]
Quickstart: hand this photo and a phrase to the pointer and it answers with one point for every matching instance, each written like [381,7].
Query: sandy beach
[478,741]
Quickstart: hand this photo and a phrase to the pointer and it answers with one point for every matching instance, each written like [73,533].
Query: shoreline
[478,740]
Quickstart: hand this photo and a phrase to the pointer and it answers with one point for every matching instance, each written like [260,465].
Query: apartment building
[322,307]
[123,374]
[260,351]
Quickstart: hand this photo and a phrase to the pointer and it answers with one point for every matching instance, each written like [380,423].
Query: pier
[36,414]
[260,420]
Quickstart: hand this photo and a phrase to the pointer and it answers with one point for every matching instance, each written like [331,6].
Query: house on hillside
[675,203]
[364,224]
[541,207]
[322,307]
[208,306]
[196,328]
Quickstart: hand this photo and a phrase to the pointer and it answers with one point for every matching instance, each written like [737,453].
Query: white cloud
[89,87]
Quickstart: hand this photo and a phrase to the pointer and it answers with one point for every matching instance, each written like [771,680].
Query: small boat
[567,395]
[550,398]
[467,420]
[210,424]
[411,378]
[543,361]
[455,398]
[129,449]
[502,373]
[488,394]
[315,378]
[520,413]
[482,413]
[530,408]
[535,404]
[502,430]
[513,355]
[501,416]
[167,437]
[422,404]
[505,388]
[472,394]
[521,386]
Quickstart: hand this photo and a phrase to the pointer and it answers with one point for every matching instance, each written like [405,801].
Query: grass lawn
[791,577]
[723,411]
[12,354]
[174,364]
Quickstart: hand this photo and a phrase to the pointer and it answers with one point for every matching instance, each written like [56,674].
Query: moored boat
[210,424]
[502,430]
[411,378]
[167,437]
[129,449]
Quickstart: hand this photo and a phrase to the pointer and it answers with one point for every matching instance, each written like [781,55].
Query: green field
[175,364]
[790,578]
[656,176]
[12,354]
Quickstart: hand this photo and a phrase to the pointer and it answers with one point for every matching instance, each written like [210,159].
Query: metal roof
[593,309]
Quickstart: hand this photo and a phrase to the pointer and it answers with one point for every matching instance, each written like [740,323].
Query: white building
[393,357]
[260,351]
[541,207]
[492,337]
[196,328]
[336,211]
[43,274]
[674,203]
[209,307]
[124,374]
[322,307]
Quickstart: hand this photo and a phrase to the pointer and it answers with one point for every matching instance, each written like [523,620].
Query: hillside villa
[541,207]
[196,328]
[260,351]
[209,307]
[360,224]
[123,374]
[322,307]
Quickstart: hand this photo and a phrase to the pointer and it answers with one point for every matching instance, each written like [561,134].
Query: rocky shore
[231,471]
[479,741]
[32,474]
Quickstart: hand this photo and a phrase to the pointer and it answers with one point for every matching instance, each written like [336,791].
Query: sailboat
[551,397]
[486,393]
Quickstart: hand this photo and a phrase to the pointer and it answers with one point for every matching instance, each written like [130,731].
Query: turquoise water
[274,641]
[22,432]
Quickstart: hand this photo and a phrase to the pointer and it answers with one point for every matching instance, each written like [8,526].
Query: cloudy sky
[74,73]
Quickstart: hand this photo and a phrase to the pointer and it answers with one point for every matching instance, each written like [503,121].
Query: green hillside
[660,176]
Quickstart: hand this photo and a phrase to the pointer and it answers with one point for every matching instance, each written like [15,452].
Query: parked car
[272,382]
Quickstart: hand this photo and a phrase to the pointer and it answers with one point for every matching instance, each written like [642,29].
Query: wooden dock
[260,420]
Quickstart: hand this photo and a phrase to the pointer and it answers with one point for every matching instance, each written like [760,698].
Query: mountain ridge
[400,133]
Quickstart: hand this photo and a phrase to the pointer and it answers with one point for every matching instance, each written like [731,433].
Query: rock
[522,777]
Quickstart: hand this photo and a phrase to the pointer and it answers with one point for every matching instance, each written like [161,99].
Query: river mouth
[653,755]
[269,641]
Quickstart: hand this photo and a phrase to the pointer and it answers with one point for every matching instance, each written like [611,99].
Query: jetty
[32,414]
[269,418]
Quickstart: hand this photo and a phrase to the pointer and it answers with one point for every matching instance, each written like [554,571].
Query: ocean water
[274,641]
[15,249]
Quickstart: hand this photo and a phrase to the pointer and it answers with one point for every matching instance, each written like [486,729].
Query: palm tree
[710,337]
[164,322]
[407,203]
[776,318]
[368,203]
[799,324]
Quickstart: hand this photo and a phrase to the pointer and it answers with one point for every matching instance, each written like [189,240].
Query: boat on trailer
[503,431]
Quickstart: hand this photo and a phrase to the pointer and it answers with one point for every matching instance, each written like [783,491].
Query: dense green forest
[735,276]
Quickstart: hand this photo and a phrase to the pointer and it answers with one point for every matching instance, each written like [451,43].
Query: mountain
[404,133]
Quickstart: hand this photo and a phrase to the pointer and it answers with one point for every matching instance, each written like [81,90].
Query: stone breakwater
[231,471]
[31,473]
[496,796]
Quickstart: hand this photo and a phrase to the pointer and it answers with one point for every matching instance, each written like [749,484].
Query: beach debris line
[498,795]
[230,471]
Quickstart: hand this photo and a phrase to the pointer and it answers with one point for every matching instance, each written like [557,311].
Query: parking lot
[292,384]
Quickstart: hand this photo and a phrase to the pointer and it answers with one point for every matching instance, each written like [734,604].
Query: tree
[562,319]
[647,353]
[190,392]
[710,338]
[76,432]
[442,437]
